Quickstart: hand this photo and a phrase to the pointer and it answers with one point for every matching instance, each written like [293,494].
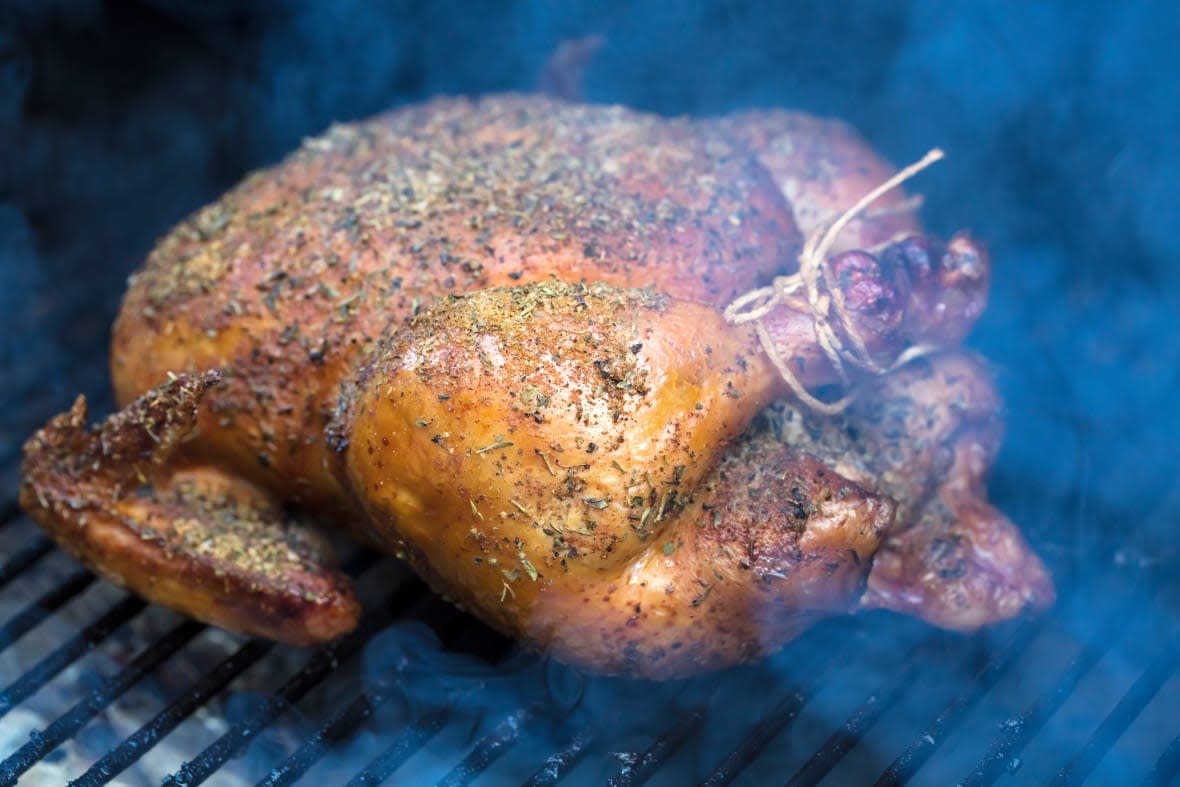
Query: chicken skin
[488,336]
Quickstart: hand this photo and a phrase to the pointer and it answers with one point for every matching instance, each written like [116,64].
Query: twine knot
[826,303]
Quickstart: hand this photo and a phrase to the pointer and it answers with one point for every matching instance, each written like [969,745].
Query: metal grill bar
[489,749]
[1017,732]
[561,762]
[51,601]
[43,671]
[321,664]
[339,728]
[24,558]
[394,756]
[818,666]
[1166,767]
[64,728]
[766,729]
[1118,720]
[785,712]
[241,734]
[147,736]
[862,720]
[638,769]
[902,769]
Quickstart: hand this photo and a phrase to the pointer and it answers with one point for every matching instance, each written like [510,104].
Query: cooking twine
[756,305]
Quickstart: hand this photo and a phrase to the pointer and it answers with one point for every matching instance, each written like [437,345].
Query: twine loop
[826,303]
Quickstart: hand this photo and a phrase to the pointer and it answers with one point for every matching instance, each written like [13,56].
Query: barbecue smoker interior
[1058,122]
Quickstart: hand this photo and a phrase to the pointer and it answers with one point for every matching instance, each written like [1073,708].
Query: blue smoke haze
[1060,119]
[119,117]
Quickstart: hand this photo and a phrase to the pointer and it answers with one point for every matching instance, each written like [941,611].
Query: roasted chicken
[491,336]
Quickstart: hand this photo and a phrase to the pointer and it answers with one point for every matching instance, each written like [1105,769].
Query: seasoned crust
[531,446]
[926,436]
[768,544]
[290,277]
[508,432]
[822,166]
[194,539]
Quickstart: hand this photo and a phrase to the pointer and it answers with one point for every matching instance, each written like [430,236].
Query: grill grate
[48,603]
[924,746]
[24,557]
[403,747]
[130,750]
[66,726]
[1016,732]
[58,660]
[1167,767]
[560,762]
[489,748]
[1117,722]
[862,719]
[773,723]
[532,743]
[637,768]
[321,664]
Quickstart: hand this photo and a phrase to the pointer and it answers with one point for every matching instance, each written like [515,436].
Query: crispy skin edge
[73,491]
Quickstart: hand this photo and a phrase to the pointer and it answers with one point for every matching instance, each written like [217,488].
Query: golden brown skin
[542,453]
[289,278]
[822,167]
[189,538]
[487,335]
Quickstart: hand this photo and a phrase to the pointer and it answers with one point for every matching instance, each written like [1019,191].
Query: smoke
[1060,118]
[25,360]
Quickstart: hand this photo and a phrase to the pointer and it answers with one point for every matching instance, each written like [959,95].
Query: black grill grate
[25,556]
[69,652]
[1117,722]
[1016,732]
[130,750]
[49,602]
[67,725]
[874,698]
[945,722]
[1063,163]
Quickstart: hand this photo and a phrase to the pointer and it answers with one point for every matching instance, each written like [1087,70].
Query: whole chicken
[490,336]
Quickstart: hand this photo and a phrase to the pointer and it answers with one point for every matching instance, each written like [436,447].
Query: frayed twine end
[756,305]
